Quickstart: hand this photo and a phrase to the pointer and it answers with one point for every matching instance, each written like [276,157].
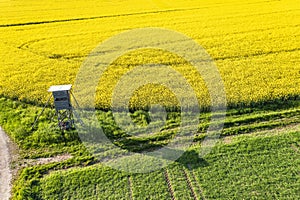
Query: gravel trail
[5,172]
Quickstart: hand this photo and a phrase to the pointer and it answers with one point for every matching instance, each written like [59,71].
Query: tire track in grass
[254,127]
[195,181]
[189,183]
[130,187]
[171,190]
[97,196]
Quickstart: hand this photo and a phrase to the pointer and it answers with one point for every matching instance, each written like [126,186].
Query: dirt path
[5,172]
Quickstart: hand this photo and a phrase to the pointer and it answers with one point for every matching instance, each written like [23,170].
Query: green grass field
[255,167]
[257,157]
[255,46]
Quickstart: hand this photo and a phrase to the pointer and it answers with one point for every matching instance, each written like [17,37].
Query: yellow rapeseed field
[254,43]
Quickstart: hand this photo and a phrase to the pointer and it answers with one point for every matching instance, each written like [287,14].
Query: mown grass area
[242,167]
[254,167]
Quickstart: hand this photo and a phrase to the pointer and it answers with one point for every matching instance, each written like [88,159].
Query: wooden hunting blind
[61,95]
[63,107]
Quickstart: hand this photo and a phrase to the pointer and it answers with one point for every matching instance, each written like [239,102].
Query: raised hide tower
[63,106]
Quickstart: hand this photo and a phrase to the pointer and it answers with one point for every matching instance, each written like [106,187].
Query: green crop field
[256,157]
[255,47]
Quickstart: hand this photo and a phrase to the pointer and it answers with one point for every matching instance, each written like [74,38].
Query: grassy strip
[97,182]
[252,167]
[28,183]
[18,117]
[150,185]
